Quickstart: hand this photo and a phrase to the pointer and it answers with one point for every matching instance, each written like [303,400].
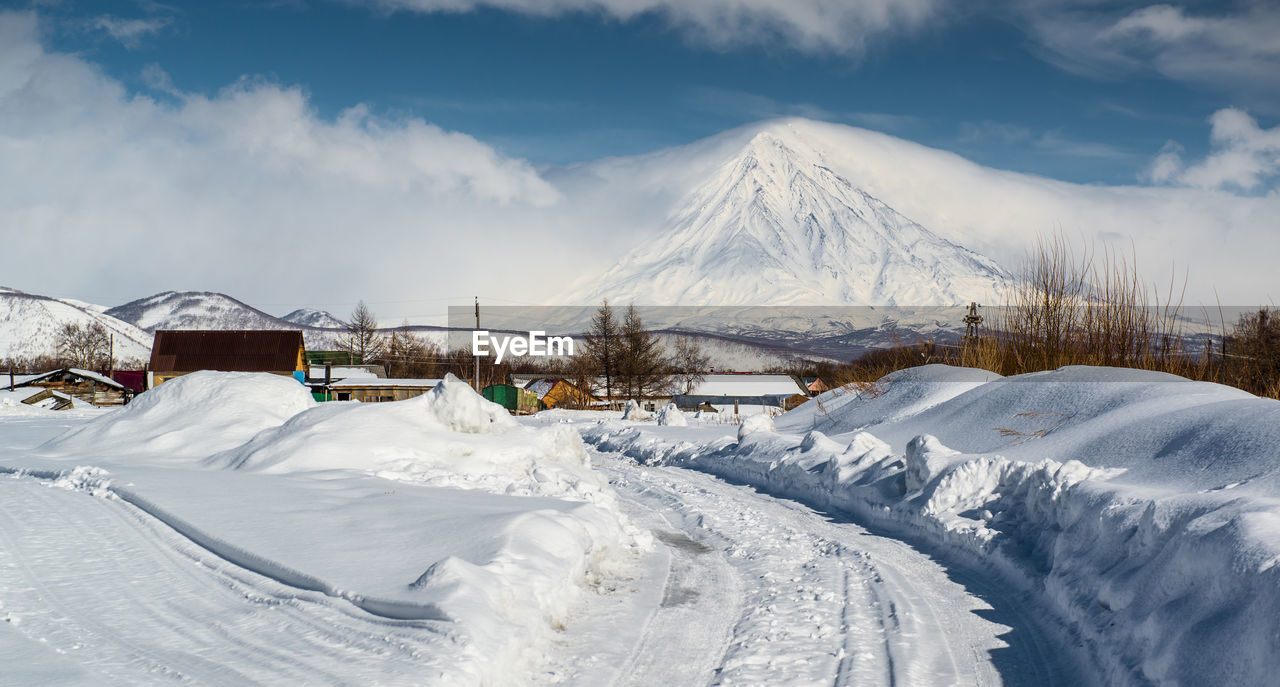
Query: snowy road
[745,589]
[766,591]
[92,591]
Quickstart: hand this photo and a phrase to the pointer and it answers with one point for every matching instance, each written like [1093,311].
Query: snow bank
[897,396]
[753,424]
[671,416]
[449,436]
[1142,507]
[511,598]
[635,413]
[11,405]
[519,525]
[188,417]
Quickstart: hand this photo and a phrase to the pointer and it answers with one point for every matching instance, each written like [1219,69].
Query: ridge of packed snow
[1138,506]
[518,525]
[189,416]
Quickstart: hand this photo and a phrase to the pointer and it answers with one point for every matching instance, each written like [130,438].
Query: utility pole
[475,381]
[971,322]
[111,356]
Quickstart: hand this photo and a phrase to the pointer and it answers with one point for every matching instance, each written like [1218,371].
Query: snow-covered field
[1083,526]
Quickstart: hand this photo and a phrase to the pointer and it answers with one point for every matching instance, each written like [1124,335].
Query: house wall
[89,392]
[374,394]
[158,378]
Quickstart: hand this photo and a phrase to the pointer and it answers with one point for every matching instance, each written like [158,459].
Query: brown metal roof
[226,350]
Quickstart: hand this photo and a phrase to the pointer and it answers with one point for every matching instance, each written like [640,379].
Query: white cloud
[129,32]
[107,196]
[247,190]
[1167,164]
[1235,48]
[1244,156]
[1223,241]
[815,26]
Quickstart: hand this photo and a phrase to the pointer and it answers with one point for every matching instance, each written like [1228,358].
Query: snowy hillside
[195,310]
[310,317]
[29,325]
[775,225]
[209,310]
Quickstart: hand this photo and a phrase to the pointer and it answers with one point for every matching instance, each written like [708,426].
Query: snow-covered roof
[747,385]
[375,382]
[94,376]
[541,386]
[19,394]
[344,372]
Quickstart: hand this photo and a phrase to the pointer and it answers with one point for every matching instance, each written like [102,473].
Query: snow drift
[188,417]
[251,466]
[1140,506]
[449,436]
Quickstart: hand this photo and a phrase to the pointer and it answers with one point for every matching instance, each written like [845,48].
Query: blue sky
[999,85]
[310,153]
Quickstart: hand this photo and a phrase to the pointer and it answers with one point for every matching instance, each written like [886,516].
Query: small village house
[814,385]
[744,389]
[178,352]
[554,392]
[56,389]
[377,390]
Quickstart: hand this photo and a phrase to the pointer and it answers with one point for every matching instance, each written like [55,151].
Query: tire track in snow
[135,602]
[899,616]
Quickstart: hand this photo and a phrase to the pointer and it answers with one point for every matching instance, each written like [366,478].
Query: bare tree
[84,346]
[689,363]
[409,354]
[362,339]
[1253,353]
[602,347]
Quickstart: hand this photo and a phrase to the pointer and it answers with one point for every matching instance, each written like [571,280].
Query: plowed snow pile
[449,436]
[251,469]
[1142,506]
[188,417]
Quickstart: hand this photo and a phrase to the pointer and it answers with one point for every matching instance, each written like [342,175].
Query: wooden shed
[178,352]
[83,385]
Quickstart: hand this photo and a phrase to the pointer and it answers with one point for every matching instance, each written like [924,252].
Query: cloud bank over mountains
[249,191]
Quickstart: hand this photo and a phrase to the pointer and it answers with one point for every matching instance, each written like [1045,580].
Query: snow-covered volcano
[775,225]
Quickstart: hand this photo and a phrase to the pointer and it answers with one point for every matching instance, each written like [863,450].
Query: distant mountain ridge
[29,324]
[195,310]
[212,310]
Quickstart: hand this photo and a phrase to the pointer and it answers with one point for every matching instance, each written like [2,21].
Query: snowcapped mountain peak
[310,317]
[195,310]
[775,225]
